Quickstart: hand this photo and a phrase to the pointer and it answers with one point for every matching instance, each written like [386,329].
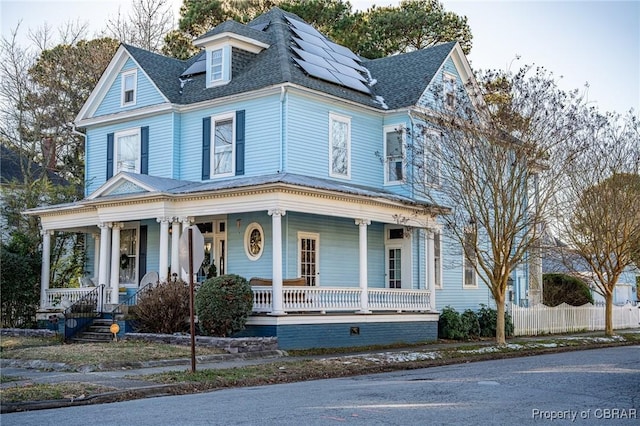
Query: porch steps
[98,331]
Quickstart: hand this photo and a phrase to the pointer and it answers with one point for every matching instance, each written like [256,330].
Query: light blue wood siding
[146,93]
[262,137]
[453,293]
[160,142]
[153,244]
[307,142]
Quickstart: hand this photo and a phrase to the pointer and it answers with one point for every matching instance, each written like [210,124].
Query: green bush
[561,288]
[223,305]
[488,317]
[163,308]
[452,325]
[470,324]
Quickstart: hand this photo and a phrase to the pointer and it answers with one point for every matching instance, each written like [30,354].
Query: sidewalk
[123,379]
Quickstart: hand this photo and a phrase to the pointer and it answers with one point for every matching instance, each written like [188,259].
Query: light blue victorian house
[287,151]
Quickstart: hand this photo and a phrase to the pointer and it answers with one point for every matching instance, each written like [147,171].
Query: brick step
[89,340]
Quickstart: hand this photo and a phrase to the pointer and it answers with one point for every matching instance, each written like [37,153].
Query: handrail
[87,305]
[131,300]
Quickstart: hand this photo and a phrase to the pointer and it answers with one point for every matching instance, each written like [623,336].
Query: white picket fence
[541,319]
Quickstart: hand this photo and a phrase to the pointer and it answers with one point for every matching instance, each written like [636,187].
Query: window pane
[128,82]
[339,147]
[128,150]
[223,147]
[216,64]
[436,258]
[394,156]
[128,254]
[394,268]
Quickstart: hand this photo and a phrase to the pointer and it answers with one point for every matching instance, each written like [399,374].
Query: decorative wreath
[124,261]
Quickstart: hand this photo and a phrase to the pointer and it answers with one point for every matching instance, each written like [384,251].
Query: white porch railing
[541,319]
[336,299]
[61,298]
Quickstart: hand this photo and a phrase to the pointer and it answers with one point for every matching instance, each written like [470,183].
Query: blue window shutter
[144,150]
[239,142]
[109,156]
[142,252]
[206,148]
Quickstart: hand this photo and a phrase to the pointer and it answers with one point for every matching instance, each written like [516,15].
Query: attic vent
[326,60]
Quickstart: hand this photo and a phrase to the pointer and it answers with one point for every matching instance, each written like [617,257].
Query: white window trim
[446,78]
[429,138]
[311,235]
[247,234]
[226,66]
[388,129]
[116,145]
[214,120]
[464,266]
[123,77]
[438,271]
[347,120]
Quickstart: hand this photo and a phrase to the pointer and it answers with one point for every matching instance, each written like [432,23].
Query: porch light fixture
[238,223]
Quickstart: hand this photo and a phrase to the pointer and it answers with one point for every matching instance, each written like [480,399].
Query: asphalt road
[586,387]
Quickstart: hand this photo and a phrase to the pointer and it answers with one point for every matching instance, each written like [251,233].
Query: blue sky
[584,41]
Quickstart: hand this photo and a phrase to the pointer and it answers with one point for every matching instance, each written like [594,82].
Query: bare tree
[145,26]
[493,153]
[599,209]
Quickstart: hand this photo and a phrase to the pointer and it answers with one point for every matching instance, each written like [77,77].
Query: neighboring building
[559,258]
[286,150]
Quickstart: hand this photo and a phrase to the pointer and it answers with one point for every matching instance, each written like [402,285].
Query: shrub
[163,308]
[470,323]
[561,288]
[450,325]
[223,305]
[488,317]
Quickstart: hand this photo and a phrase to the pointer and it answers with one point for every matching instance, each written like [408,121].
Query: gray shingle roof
[12,166]
[275,65]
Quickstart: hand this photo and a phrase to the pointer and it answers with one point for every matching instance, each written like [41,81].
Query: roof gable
[131,183]
[112,72]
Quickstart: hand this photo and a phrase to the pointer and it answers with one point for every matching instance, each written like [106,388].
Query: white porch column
[105,241]
[431,271]
[115,261]
[163,262]
[364,281]
[96,257]
[276,288]
[175,247]
[186,222]
[46,266]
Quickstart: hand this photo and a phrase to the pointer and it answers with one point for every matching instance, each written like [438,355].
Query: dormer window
[216,65]
[129,82]
[219,69]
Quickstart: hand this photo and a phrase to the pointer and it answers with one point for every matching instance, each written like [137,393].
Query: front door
[308,253]
[394,267]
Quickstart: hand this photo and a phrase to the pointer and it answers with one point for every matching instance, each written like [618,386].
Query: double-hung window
[223,147]
[449,83]
[339,146]
[216,65]
[393,155]
[127,151]
[432,153]
[128,83]
[469,259]
[437,259]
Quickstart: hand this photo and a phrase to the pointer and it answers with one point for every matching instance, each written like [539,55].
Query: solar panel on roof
[312,48]
[310,38]
[303,26]
[260,27]
[317,71]
[310,57]
[326,60]
[198,67]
